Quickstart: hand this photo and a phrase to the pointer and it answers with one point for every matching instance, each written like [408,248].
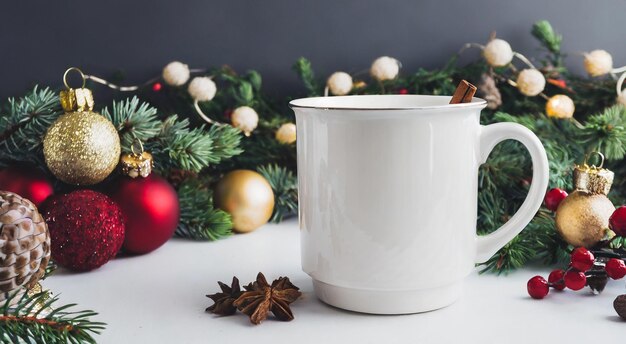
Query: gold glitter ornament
[582,218]
[81,147]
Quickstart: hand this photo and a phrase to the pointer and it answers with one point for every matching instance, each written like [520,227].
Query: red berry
[156,87]
[403,91]
[617,221]
[553,198]
[615,268]
[537,287]
[556,279]
[575,279]
[582,259]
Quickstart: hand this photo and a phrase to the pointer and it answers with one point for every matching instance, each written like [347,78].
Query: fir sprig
[303,68]
[285,187]
[198,219]
[37,319]
[23,124]
[606,132]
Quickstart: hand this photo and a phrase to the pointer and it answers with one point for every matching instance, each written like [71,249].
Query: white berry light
[498,53]
[598,62]
[530,82]
[245,118]
[176,73]
[202,89]
[385,68]
[339,83]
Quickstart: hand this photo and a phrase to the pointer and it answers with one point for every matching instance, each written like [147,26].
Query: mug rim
[308,102]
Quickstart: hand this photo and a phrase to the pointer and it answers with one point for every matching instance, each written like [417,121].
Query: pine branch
[24,123]
[606,132]
[198,219]
[28,321]
[226,142]
[133,120]
[543,31]
[285,187]
[305,71]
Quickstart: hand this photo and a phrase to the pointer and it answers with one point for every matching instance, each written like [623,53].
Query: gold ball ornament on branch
[286,134]
[81,147]
[248,197]
[582,218]
[24,244]
[560,106]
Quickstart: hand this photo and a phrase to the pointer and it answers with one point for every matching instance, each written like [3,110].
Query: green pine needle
[606,132]
[305,71]
[543,31]
[133,120]
[27,321]
[198,219]
[285,187]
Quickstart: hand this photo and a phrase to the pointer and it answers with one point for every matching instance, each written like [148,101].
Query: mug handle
[490,136]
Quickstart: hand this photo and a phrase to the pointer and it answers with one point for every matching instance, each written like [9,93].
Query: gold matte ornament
[582,218]
[248,197]
[81,147]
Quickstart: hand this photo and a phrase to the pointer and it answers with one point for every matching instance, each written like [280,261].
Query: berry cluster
[584,270]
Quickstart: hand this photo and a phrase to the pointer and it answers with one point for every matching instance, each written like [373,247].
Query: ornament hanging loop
[75,69]
[136,143]
[600,155]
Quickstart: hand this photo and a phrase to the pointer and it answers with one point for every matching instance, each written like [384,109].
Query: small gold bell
[136,164]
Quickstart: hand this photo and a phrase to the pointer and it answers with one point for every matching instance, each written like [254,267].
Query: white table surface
[160,298]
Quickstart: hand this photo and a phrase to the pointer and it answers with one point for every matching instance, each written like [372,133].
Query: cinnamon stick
[463,93]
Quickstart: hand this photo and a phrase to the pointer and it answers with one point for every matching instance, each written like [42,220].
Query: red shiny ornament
[575,279]
[553,198]
[537,287]
[403,91]
[26,181]
[157,86]
[582,259]
[556,279]
[617,221]
[86,229]
[150,206]
[615,268]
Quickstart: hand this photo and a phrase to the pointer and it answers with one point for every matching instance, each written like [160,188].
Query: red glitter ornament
[150,206]
[157,86]
[86,229]
[26,181]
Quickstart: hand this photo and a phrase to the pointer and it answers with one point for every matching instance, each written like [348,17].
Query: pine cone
[488,90]
[620,306]
[24,244]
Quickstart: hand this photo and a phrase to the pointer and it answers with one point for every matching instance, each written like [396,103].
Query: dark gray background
[40,39]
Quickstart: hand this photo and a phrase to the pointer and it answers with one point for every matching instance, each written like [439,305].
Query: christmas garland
[199,129]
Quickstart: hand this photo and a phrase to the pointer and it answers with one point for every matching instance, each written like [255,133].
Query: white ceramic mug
[388,190]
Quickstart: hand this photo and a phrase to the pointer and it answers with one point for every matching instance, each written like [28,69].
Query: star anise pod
[261,298]
[224,301]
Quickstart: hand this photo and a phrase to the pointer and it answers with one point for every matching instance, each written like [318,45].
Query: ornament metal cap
[79,99]
[593,179]
[137,164]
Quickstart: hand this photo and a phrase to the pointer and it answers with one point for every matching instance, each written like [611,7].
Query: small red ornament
[575,279]
[558,83]
[582,259]
[617,221]
[26,181]
[615,268]
[537,287]
[556,279]
[150,206]
[403,91]
[86,229]
[553,198]
[157,86]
